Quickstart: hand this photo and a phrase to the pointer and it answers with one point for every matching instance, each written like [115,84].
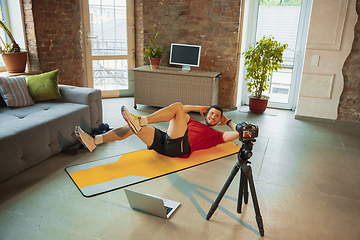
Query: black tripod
[246,175]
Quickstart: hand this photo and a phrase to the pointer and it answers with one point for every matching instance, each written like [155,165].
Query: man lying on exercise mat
[184,135]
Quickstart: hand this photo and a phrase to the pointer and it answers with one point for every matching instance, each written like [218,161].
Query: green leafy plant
[262,60]
[154,51]
[13,47]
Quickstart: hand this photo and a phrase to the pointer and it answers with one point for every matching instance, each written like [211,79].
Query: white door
[288,22]
[109,45]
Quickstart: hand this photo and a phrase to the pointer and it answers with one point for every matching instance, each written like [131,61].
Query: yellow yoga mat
[113,173]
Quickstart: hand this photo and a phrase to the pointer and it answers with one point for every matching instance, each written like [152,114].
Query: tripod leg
[255,202]
[246,191]
[222,192]
[243,184]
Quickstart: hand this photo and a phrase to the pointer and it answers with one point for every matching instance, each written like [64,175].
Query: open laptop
[157,206]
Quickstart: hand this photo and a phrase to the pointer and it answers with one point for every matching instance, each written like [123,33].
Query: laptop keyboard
[168,209]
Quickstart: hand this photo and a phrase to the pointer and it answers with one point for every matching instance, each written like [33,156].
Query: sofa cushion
[44,86]
[15,92]
[37,132]
[16,120]
[29,135]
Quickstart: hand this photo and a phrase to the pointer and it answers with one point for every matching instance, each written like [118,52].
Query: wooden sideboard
[166,85]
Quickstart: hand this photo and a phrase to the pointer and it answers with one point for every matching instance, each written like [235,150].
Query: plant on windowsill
[262,60]
[154,53]
[14,59]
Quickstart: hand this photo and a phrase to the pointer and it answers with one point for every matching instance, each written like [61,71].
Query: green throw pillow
[44,86]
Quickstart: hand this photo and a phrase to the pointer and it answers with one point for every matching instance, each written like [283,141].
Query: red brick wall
[212,24]
[53,30]
[139,33]
[30,35]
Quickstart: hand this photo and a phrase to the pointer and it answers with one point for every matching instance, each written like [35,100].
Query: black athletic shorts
[170,147]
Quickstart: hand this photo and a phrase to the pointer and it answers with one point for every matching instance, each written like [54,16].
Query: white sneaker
[85,139]
[132,120]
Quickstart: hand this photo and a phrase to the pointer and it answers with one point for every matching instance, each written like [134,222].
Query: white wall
[248,37]
[331,34]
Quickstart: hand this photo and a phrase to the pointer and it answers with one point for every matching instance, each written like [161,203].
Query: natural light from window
[2,33]
[108,30]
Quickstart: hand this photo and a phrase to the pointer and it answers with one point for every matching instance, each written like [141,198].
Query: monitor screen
[185,55]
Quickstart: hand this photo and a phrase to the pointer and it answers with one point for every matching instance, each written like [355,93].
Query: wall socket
[315,60]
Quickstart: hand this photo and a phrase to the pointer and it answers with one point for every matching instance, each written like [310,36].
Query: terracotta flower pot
[15,62]
[258,105]
[154,63]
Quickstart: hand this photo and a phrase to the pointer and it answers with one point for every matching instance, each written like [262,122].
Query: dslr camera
[247,132]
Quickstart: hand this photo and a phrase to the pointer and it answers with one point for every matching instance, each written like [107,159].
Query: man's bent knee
[178,105]
[179,108]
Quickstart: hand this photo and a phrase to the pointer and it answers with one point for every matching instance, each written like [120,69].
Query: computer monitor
[185,55]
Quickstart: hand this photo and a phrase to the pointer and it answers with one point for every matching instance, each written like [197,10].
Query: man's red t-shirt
[201,136]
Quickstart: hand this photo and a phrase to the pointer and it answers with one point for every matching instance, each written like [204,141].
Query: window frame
[14,19]
[130,56]
[5,16]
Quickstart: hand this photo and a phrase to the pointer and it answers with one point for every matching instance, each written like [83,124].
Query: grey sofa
[29,135]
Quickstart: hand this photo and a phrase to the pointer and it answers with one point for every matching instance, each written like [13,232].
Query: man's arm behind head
[195,108]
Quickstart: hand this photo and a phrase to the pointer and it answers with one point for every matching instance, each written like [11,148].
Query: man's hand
[195,108]
[203,110]
[223,120]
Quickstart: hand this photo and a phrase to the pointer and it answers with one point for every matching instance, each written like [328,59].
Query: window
[10,12]
[5,18]
[109,34]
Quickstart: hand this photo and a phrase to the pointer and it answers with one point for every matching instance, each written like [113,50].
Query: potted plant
[14,59]
[154,53]
[262,60]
